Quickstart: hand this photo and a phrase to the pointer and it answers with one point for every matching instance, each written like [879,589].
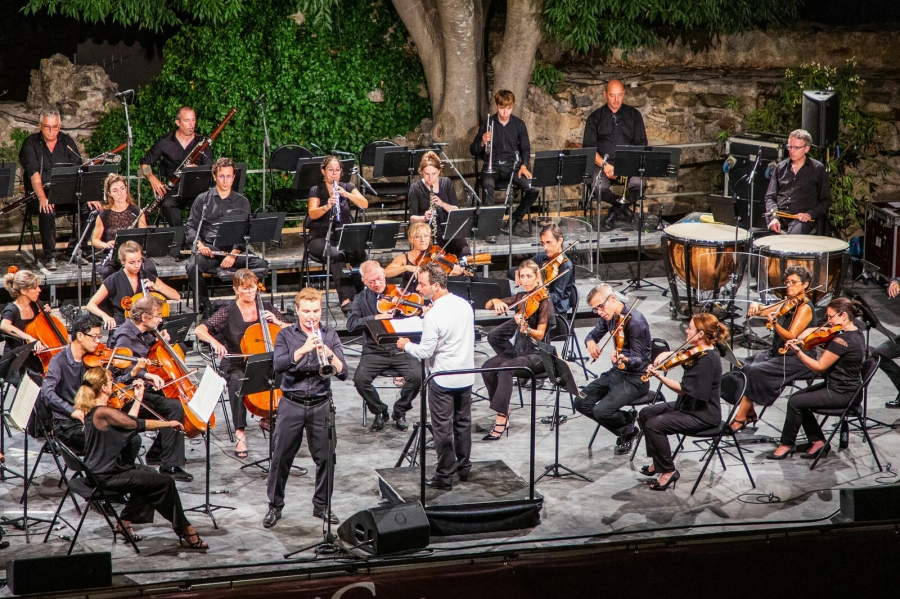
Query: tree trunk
[514,62]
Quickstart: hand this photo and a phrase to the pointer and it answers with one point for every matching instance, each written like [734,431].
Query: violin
[168,363]
[685,357]
[120,357]
[436,254]
[787,305]
[553,265]
[619,335]
[819,336]
[259,338]
[394,299]
[532,302]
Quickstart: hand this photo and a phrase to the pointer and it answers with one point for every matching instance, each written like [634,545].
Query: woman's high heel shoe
[773,456]
[499,429]
[185,541]
[823,451]
[672,480]
[126,533]
[646,470]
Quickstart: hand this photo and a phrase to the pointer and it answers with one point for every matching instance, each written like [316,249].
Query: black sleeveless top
[318,227]
[113,221]
[11,313]
[228,326]
[118,286]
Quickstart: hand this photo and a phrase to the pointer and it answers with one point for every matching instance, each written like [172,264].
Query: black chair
[714,436]
[853,410]
[85,484]
[51,448]
[557,331]
[657,346]
[284,159]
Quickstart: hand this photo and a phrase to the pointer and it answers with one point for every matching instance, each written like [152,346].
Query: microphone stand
[76,255]
[358,173]
[129,140]
[508,204]
[266,145]
[194,252]
[328,259]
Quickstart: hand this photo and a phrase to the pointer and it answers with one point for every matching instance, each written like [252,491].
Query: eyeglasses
[790,147]
[96,337]
[600,307]
[790,283]
[50,127]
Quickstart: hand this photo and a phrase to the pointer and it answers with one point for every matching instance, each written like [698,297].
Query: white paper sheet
[23,404]
[407,326]
[207,395]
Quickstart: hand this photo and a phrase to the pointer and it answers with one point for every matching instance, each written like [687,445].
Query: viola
[395,299]
[685,357]
[787,305]
[167,362]
[259,338]
[553,265]
[817,337]
[533,302]
[121,357]
[50,331]
[436,254]
[619,335]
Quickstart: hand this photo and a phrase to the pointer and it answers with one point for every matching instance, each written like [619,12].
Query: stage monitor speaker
[821,116]
[385,530]
[870,504]
[59,573]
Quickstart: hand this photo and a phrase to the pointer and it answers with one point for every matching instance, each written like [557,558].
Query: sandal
[498,428]
[242,438]
[184,541]
[742,424]
[127,533]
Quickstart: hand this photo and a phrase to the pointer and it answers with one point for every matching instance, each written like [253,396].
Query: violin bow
[532,292]
[620,324]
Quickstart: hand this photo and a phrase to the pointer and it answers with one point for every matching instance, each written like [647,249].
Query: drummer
[799,186]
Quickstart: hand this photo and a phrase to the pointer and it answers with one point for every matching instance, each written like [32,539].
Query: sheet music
[23,404]
[207,395]
[406,326]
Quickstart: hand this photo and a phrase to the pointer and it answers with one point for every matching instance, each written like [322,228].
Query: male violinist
[138,334]
[889,351]
[620,385]
[302,352]
[799,185]
[380,360]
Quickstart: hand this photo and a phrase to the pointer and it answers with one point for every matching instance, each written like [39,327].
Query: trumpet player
[431,200]
[307,355]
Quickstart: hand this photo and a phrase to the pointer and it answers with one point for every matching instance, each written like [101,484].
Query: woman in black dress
[119,212]
[432,192]
[24,287]
[769,372]
[110,448]
[224,331]
[697,407]
[327,208]
[522,352]
[137,275]
[840,364]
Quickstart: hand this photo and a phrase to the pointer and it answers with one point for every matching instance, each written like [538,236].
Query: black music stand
[384,235]
[64,189]
[476,224]
[93,181]
[478,291]
[178,326]
[562,167]
[266,227]
[7,179]
[644,162]
[559,373]
[194,181]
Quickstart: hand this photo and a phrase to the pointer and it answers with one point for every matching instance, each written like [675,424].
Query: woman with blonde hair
[24,287]
[404,265]
[119,212]
[431,200]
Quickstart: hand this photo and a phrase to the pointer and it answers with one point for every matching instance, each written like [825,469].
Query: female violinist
[532,319]
[137,275]
[769,372]
[405,265]
[840,364]
[24,287]
[224,331]
[697,407]
[431,200]
[329,204]
[119,212]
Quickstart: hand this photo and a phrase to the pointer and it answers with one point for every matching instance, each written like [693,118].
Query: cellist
[224,331]
[24,287]
[531,327]
[137,335]
[137,275]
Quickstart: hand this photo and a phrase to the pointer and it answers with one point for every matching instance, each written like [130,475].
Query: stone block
[583,101]
[684,99]
[676,118]
[714,100]
[376,96]
[661,90]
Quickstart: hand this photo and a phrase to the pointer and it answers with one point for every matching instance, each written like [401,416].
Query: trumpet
[490,129]
[326,369]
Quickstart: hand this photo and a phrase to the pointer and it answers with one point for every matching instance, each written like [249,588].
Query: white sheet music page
[207,395]
[407,326]
[23,404]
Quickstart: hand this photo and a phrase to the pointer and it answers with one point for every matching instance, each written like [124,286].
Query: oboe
[433,221]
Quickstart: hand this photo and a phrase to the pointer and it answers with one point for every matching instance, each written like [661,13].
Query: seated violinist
[329,206]
[139,334]
[769,372]
[378,360]
[533,318]
[407,264]
[224,331]
[119,213]
[621,385]
[697,407]
[137,276]
[24,288]
[431,200]
[840,364]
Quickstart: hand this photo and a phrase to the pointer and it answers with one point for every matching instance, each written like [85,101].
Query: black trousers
[500,384]
[171,212]
[501,176]
[148,491]
[451,423]
[169,443]
[47,225]
[499,338]
[606,396]
[799,412]
[233,373]
[658,422]
[402,364]
[212,266]
[293,420]
[889,351]
[345,284]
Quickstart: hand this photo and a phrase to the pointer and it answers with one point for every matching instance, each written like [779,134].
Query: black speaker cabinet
[871,504]
[821,116]
[384,530]
[59,573]
[882,241]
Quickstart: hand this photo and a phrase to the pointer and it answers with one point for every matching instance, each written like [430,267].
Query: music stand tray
[194,181]
[63,185]
[384,235]
[139,236]
[391,161]
[266,227]
[7,179]
[354,237]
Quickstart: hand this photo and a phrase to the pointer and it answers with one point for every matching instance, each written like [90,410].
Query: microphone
[260,99]
[125,93]
[729,164]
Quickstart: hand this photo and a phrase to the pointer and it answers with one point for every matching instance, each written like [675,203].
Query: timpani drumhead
[822,256]
[706,233]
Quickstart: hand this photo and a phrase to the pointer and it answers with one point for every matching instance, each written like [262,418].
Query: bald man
[614,124]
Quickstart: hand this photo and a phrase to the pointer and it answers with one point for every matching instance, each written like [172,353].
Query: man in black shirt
[798,186]
[621,384]
[170,150]
[301,351]
[510,147]
[889,351]
[39,154]
[614,124]
[211,206]
[380,360]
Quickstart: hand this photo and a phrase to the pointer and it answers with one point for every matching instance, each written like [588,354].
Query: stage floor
[617,503]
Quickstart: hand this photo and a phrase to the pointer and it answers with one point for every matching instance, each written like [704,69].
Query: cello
[167,361]
[47,329]
[259,338]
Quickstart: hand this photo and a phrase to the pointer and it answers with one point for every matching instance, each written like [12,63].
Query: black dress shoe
[51,264]
[378,423]
[625,441]
[272,516]
[434,483]
[823,451]
[177,473]
[464,477]
[400,421]
[894,403]
[320,513]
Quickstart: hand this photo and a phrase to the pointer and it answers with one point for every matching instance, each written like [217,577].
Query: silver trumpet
[326,369]
[490,129]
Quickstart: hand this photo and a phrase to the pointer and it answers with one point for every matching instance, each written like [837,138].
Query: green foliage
[627,24]
[315,84]
[9,152]
[856,137]
[546,76]
[149,14]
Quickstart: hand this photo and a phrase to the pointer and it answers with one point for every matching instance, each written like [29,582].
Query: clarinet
[335,210]
[433,221]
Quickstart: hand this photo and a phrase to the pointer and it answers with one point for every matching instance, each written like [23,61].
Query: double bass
[167,362]
[259,338]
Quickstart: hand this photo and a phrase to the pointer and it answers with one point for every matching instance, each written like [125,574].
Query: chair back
[869,368]
[658,346]
[573,306]
[367,154]
[284,158]
[742,377]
